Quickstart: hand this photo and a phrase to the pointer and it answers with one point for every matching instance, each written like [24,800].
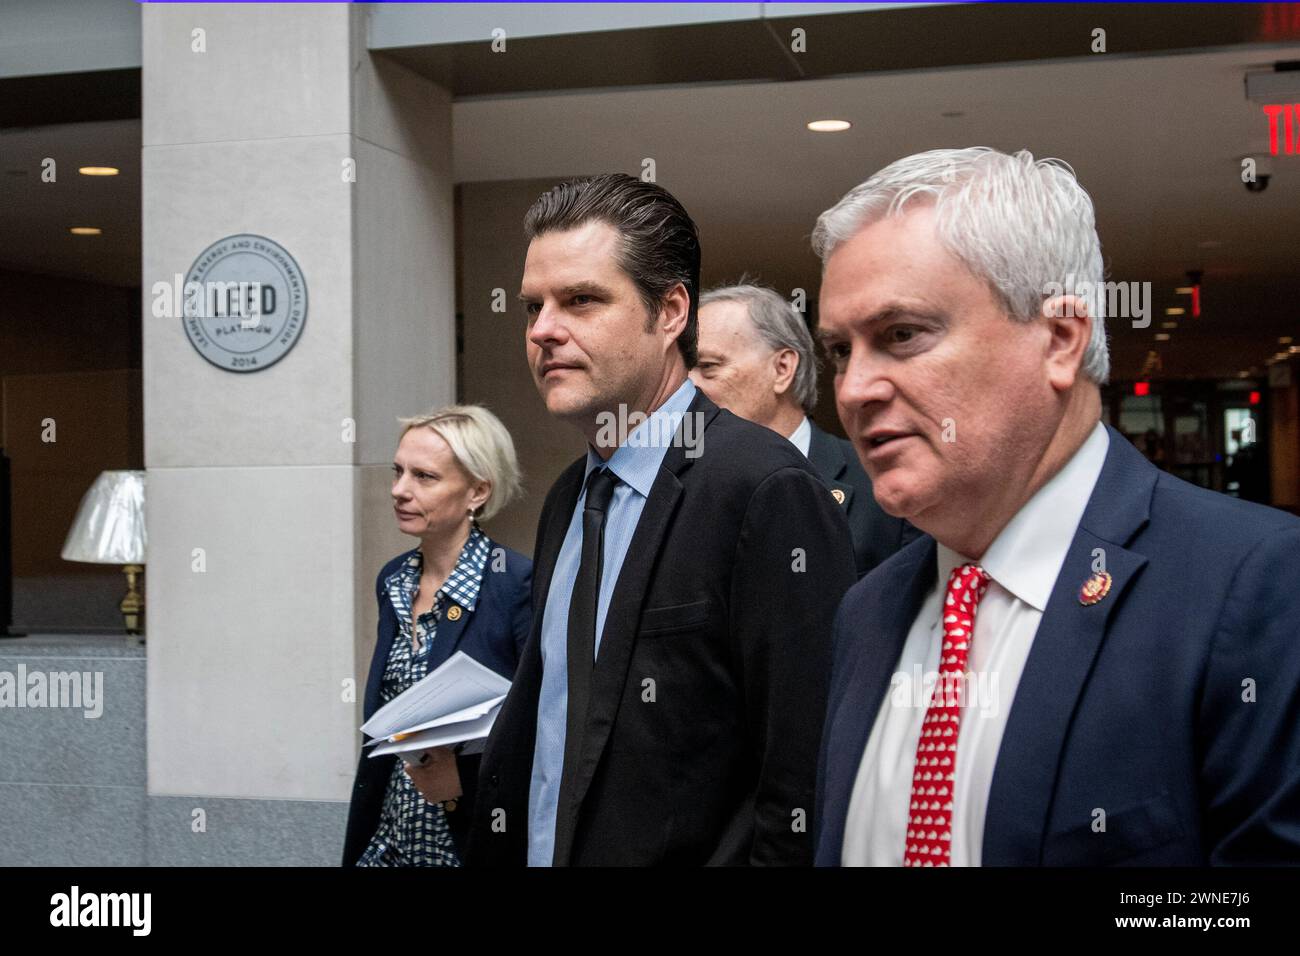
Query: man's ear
[1069,328]
[674,309]
[785,362]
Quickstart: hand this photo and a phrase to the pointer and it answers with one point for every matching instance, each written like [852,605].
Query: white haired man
[1113,675]
[757,360]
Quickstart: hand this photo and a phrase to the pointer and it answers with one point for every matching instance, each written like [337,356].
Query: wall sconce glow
[1183,290]
[1169,325]
[829,126]
[1162,336]
[1175,310]
[86,231]
[98,170]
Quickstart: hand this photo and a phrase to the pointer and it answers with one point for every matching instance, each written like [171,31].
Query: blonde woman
[458,590]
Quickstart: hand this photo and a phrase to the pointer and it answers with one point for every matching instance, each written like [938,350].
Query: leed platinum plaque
[245,303]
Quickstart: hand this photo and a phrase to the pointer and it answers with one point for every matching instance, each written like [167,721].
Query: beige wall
[494,369]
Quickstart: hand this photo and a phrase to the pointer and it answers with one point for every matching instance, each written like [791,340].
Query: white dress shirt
[1023,563]
[801,437]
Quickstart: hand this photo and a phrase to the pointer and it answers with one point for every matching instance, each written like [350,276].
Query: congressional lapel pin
[453,613]
[1095,588]
[838,495]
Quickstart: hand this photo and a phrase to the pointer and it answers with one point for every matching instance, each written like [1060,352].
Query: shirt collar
[636,462]
[462,585]
[801,438]
[1026,556]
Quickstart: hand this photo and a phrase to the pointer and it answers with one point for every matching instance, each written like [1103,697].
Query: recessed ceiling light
[1169,325]
[98,170]
[829,126]
[1175,310]
[1162,336]
[86,231]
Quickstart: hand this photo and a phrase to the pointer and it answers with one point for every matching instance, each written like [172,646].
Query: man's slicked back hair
[660,245]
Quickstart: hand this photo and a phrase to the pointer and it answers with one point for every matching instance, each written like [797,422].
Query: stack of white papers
[458,702]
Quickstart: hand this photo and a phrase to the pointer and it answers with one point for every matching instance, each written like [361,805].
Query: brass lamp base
[132,606]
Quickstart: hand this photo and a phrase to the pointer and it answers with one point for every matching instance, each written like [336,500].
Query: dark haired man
[667,706]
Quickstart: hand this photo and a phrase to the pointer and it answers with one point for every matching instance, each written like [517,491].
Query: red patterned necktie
[929,826]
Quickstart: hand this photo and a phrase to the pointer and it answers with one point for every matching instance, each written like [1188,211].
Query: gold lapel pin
[453,613]
[1095,588]
[838,495]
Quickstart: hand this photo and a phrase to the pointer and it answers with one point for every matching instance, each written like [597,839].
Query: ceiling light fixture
[829,126]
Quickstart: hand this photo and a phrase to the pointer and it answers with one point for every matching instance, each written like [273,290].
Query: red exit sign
[1283,124]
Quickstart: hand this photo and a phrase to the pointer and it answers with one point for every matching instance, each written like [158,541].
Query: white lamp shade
[109,527]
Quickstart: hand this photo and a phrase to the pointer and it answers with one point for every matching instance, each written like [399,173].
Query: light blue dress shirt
[636,463]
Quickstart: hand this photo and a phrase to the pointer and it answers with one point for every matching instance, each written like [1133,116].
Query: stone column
[268,508]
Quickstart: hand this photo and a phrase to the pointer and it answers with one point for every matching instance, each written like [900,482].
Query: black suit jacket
[876,535]
[704,720]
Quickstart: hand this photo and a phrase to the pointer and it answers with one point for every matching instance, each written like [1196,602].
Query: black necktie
[582,610]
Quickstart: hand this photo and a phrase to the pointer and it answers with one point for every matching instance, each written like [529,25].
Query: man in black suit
[673,718]
[757,360]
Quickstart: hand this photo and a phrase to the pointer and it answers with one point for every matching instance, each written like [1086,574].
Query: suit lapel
[619,635]
[448,636]
[826,455]
[884,624]
[383,647]
[1061,657]
[515,731]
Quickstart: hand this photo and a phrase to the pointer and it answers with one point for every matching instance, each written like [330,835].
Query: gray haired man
[756,359]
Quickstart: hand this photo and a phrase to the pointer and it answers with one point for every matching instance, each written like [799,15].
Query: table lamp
[109,529]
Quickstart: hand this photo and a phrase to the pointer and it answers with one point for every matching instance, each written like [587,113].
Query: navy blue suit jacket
[493,634]
[876,535]
[1173,704]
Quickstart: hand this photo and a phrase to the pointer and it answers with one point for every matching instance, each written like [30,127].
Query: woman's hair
[482,446]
